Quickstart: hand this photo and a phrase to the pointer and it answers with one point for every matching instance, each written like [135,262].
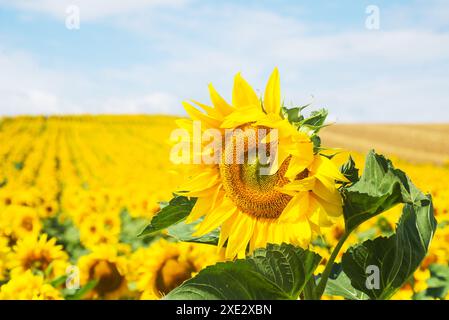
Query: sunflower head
[4,255]
[27,286]
[98,229]
[38,254]
[269,195]
[22,221]
[165,265]
[108,268]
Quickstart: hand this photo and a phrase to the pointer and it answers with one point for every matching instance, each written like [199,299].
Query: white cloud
[28,88]
[156,102]
[89,9]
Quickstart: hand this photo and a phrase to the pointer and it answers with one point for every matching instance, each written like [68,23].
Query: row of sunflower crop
[76,191]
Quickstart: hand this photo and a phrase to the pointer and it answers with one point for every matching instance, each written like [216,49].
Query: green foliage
[183,232]
[176,211]
[438,282]
[350,171]
[312,124]
[277,272]
[78,294]
[339,284]
[67,234]
[380,187]
[397,257]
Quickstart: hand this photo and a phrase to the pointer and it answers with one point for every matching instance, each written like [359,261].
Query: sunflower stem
[309,290]
[327,270]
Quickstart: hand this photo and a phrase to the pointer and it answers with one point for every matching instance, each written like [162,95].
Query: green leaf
[78,294]
[315,121]
[316,118]
[294,115]
[438,282]
[176,211]
[316,140]
[58,281]
[397,257]
[183,232]
[350,171]
[277,272]
[380,187]
[339,284]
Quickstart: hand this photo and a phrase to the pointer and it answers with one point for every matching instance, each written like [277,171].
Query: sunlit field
[76,191]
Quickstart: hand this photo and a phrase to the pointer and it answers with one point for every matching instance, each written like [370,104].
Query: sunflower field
[91,207]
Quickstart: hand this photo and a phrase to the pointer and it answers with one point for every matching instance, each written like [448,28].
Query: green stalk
[325,275]
[309,289]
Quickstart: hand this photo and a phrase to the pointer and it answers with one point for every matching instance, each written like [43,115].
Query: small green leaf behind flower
[176,211]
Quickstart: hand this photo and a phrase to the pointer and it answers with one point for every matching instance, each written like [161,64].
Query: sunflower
[164,265]
[27,286]
[48,209]
[290,204]
[4,254]
[108,268]
[38,254]
[21,222]
[97,229]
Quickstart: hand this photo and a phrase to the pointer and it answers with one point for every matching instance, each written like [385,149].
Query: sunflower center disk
[253,192]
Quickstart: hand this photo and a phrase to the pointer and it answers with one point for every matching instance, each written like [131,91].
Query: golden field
[75,192]
[417,143]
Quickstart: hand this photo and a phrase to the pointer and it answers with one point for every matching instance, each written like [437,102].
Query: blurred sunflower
[38,254]
[28,286]
[405,293]
[290,204]
[21,222]
[165,265]
[97,229]
[108,268]
[48,209]
[4,253]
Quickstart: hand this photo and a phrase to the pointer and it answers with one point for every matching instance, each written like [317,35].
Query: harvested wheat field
[412,142]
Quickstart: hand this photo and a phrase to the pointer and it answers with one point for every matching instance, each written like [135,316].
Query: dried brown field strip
[412,142]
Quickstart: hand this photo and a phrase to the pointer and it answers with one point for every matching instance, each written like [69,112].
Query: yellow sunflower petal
[226,229]
[296,209]
[259,238]
[241,116]
[201,182]
[325,167]
[212,112]
[328,194]
[243,95]
[332,209]
[242,231]
[202,206]
[221,213]
[297,165]
[219,102]
[195,114]
[272,97]
[304,231]
[302,185]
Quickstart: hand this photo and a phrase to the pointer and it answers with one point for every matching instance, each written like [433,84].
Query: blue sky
[147,56]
